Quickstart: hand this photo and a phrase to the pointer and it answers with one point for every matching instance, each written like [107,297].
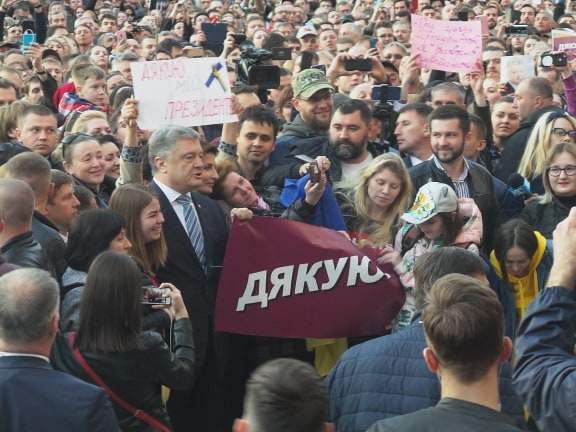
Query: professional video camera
[254,68]
[383,97]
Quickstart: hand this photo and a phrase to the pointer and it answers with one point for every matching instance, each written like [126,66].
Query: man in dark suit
[196,234]
[33,396]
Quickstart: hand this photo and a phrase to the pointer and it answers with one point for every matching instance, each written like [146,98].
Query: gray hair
[29,300]
[163,141]
[127,56]
[16,202]
[398,45]
[450,87]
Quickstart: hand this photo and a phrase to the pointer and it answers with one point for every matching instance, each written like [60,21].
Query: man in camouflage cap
[314,101]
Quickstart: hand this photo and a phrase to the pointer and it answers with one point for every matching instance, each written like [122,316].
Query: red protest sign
[289,279]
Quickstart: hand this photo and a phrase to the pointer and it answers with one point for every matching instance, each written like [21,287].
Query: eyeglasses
[569,170]
[563,132]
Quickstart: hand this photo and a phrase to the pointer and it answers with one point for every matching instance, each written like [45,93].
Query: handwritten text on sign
[185,92]
[451,46]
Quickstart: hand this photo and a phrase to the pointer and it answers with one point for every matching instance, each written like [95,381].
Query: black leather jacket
[136,375]
[24,251]
[480,185]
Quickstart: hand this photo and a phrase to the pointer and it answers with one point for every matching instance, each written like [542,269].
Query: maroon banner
[289,279]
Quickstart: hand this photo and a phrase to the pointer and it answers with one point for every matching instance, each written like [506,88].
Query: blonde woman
[372,207]
[550,130]
[560,186]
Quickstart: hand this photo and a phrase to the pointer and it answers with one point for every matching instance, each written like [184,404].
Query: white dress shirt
[172,195]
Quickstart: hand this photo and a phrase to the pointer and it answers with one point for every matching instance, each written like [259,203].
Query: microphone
[519,186]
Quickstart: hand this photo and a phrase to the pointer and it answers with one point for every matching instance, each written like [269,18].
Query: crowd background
[468,168]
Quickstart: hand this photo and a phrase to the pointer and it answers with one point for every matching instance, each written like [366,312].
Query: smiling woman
[560,186]
[83,160]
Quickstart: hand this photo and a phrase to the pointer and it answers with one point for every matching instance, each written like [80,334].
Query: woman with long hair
[550,130]
[521,262]
[373,205]
[141,209]
[111,348]
[560,191]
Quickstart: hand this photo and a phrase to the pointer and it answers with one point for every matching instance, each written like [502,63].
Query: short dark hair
[110,309]
[422,109]
[59,179]
[541,87]
[286,395]
[107,16]
[514,233]
[260,114]
[464,325]
[432,266]
[353,105]
[450,112]
[36,109]
[480,125]
[91,234]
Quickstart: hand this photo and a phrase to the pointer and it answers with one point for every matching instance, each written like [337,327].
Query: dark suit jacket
[183,268]
[35,397]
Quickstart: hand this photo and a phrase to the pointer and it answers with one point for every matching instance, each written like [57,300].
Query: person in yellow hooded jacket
[520,265]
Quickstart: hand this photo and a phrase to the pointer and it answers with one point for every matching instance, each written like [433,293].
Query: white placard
[184,92]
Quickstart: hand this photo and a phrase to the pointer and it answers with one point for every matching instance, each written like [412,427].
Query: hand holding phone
[314,172]
[28,38]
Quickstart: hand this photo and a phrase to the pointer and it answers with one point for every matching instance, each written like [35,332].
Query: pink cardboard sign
[484,20]
[451,46]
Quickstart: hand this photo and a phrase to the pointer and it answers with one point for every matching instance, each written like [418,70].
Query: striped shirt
[461,186]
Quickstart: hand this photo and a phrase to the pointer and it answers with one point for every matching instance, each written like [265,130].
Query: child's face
[94,91]
[432,228]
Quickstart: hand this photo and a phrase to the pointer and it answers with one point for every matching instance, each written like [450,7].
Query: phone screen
[215,36]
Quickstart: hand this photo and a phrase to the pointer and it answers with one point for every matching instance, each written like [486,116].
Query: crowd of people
[112,238]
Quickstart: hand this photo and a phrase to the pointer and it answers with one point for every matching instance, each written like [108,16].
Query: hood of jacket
[73,277]
[471,232]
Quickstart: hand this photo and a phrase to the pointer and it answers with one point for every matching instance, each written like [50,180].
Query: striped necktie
[193,228]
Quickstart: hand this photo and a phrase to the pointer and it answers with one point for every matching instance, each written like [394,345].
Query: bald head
[29,301]
[533,94]
[16,203]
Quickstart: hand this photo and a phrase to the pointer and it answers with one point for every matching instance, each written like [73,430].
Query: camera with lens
[384,96]
[517,29]
[255,68]
[556,59]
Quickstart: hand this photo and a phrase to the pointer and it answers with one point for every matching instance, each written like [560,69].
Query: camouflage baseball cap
[308,82]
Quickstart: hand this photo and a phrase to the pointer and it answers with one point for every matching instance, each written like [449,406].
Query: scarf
[526,287]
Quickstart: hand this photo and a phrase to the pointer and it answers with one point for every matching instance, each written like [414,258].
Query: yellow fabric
[326,353]
[525,288]
[165,395]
